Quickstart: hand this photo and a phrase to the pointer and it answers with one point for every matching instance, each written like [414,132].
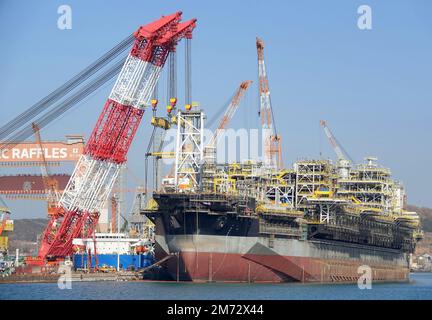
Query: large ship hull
[250,259]
[206,239]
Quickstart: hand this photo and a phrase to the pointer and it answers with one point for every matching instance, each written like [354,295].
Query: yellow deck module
[9,226]
[161,123]
[152,205]
[4,241]
[322,193]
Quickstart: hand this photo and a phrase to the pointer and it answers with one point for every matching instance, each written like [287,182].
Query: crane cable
[63,106]
[63,90]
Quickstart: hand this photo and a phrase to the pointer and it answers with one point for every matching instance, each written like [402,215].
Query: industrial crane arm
[273,150]
[4,215]
[230,111]
[333,142]
[26,117]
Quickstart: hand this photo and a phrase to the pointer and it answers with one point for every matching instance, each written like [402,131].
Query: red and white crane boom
[91,182]
[344,160]
[272,147]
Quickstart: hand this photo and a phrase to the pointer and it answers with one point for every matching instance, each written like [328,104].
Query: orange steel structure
[50,183]
[272,148]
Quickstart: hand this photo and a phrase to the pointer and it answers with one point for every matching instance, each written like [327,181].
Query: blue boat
[123,261]
[113,250]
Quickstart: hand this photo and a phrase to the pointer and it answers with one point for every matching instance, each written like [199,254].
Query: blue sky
[372,87]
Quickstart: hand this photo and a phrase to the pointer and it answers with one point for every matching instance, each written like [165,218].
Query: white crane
[344,161]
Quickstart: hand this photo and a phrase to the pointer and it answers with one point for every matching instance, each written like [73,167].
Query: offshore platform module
[257,221]
[246,221]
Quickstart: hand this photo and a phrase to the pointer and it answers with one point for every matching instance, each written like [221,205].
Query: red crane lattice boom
[92,180]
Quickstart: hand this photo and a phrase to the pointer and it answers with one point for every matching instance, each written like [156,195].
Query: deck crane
[210,149]
[50,183]
[344,161]
[92,180]
[272,141]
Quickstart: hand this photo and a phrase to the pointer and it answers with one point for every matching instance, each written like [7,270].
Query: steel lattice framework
[95,173]
[189,150]
[272,141]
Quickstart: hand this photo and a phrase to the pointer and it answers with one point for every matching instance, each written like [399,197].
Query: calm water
[420,287]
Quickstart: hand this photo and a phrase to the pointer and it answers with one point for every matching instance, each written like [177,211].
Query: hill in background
[24,236]
[425,216]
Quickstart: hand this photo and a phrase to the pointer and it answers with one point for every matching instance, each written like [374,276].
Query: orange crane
[50,183]
[272,148]
[4,215]
[229,112]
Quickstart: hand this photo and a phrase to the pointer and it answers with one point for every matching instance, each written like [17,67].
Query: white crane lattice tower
[189,150]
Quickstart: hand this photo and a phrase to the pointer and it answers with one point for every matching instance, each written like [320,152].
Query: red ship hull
[219,267]
[220,247]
